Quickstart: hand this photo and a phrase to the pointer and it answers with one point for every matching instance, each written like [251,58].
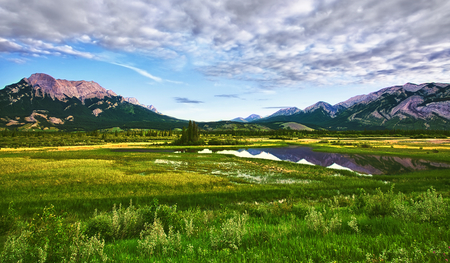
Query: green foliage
[230,234]
[155,241]
[318,221]
[8,222]
[429,207]
[216,141]
[214,219]
[49,238]
[190,136]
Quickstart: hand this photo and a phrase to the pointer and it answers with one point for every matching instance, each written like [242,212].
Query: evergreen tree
[190,135]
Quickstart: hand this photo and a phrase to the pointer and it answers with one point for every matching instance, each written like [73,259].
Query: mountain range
[411,106]
[43,102]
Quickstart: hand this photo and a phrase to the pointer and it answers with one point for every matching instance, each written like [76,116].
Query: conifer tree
[190,135]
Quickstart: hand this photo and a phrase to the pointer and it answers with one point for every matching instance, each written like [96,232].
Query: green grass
[216,208]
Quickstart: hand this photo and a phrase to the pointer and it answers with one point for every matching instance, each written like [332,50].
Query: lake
[366,164]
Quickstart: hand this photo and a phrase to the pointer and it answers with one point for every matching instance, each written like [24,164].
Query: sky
[209,60]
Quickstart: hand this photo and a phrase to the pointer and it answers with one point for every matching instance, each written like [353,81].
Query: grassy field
[91,203]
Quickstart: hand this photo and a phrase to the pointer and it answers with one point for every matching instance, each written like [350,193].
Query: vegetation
[190,136]
[13,138]
[100,205]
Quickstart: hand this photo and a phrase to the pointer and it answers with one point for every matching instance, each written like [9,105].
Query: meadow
[96,204]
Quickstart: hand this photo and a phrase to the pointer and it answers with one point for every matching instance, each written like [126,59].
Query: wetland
[151,202]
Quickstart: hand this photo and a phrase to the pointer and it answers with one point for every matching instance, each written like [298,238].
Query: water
[366,164]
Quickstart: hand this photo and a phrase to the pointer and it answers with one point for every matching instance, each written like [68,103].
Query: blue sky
[210,60]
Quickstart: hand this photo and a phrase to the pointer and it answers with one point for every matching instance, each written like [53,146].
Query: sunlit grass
[204,194]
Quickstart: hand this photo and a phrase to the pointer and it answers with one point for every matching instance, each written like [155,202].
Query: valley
[148,201]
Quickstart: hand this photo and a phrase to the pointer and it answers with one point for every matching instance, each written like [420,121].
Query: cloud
[186,100]
[140,71]
[229,96]
[283,107]
[8,46]
[17,60]
[38,47]
[274,43]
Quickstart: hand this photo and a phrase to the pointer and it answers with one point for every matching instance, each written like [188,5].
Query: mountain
[411,106]
[250,118]
[136,102]
[286,112]
[330,109]
[43,102]
[239,119]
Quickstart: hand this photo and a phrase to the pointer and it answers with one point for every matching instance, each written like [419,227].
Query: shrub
[84,249]
[100,224]
[153,240]
[316,221]
[231,233]
[430,207]
[378,204]
[353,224]
[48,238]
[120,223]
[169,217]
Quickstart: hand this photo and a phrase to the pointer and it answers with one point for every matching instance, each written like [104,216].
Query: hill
[42,102]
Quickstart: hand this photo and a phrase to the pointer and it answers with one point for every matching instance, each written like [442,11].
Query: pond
[366,164]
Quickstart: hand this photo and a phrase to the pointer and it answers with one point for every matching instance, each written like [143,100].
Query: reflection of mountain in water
[370,164]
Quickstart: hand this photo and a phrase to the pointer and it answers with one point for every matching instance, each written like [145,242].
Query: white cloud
[271,42]
[140,71]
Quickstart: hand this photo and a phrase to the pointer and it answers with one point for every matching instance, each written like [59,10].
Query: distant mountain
[42,102]
[411,106]
[135,101]
[250,118]
[239,119]
[328,108]
[286,112]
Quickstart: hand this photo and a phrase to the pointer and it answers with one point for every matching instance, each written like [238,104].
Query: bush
[231,233]
[316,221]
[48,238]
[153,240]
[379,204]
[100,225]
[430,207]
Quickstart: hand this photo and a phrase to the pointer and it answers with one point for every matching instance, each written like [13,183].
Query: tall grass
[75,206]
[333,232]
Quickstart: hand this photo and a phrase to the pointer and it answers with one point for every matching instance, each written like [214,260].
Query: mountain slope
[250,118]
[411,106]
[286,112]
[41,102]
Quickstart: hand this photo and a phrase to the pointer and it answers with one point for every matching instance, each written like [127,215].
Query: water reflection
[368,164]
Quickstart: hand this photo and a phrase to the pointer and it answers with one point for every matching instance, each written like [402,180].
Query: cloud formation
[140,71]
[281,107]
[187,101]
[275,43]
[228,96]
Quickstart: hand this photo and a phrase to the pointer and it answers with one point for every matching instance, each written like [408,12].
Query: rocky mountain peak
[286,112]
[60,88]
[135,101]
[253,117]
[321,104]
